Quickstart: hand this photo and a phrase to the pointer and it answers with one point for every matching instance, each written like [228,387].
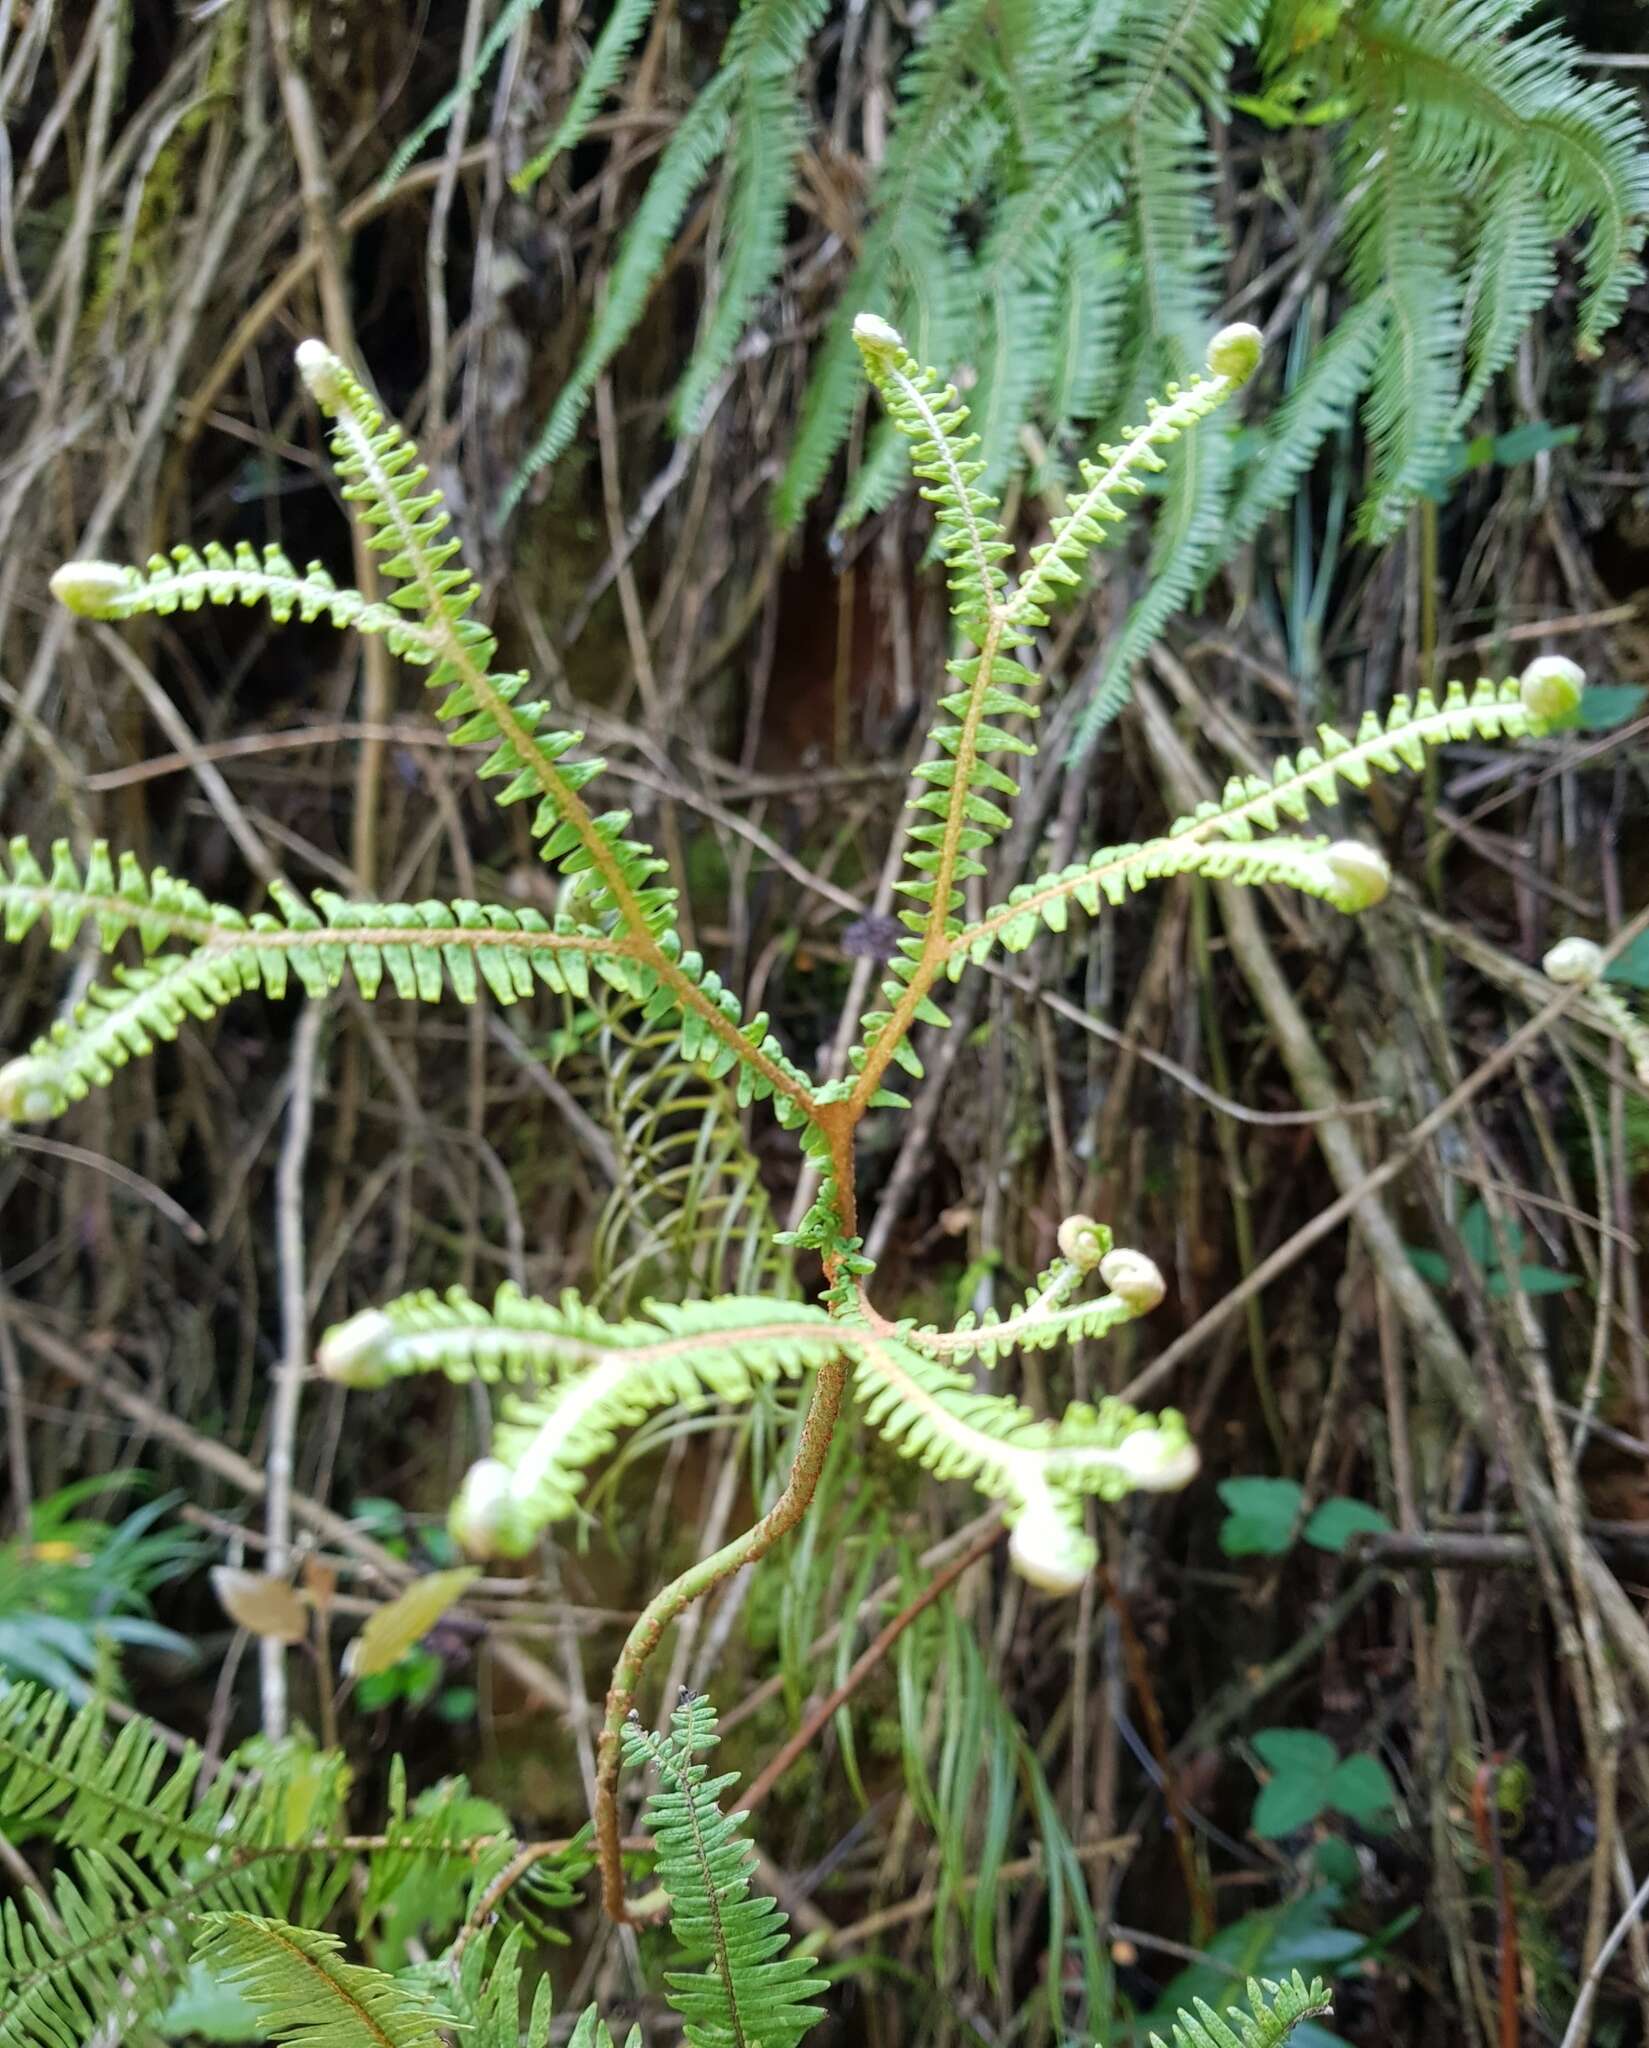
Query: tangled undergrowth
[1389,1182]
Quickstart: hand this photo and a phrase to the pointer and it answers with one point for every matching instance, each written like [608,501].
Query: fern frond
[696,142]
[595,80]
[995,621]
[1082,1245]
[1118,473]
[1400,251]
[746,1990]
[1039,1470]
[689,1213]
[598,1377]
[186,580]
[406,523]
[766,48]
[593,1377]
[1345,873]
[422,948]
[509,18]
[385,481]
[1335,377]
[1512,278]
[149,1851]
[306,1994]
[1275,2010]
[1380,746]
[918,194]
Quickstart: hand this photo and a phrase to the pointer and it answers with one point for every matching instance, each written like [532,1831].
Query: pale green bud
[92,590]
[875,336]
[1363,873]
[483,1522]
[1050,1547]
[353,1353]
[1235,353]
[1551,687]
[1083,1241]
[30,1092]
[1134,1279]
[1158,1460]
[1574,961]
[319,368]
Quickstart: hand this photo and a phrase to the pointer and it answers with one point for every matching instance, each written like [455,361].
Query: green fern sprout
[1275,2010]
[576,1377]
[747,1991]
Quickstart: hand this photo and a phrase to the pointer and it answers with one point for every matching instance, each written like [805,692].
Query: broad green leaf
[1303,1764]
[1430,1266]
[1337,1861]
[1631,970]
[407,1619]
[1337,1521]
[1286,1804]
[1261,1518]
[1361,1788]
[1607,705]
[1296,1751]
[1532,1280]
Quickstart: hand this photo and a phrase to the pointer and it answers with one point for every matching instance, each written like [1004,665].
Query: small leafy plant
[1262,1516]
[574,1376]
[1478,1239]
[1309,1777]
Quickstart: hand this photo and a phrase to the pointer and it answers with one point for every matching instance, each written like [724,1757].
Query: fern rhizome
[575,1376]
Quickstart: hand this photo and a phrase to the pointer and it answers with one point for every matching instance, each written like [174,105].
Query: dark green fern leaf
[1275,2010]
[306,1994]
[748,1991]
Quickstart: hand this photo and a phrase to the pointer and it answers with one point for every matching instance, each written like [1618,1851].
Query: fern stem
[818,1425]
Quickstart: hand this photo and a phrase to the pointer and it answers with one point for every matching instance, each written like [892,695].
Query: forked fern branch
[1274,2011]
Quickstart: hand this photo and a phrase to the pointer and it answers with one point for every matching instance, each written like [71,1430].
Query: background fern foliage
[1045,223]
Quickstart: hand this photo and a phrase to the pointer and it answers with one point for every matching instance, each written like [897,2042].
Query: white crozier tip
[352,1353]
[1083,1241]
[29,1092]
[1363,873]
[90,589]
[1551,687]
[871,331]
[1049,1548]
[1235,352]
[1570,961]
[1134,1279]
[318,367]
[482,1510]
[1158,1460]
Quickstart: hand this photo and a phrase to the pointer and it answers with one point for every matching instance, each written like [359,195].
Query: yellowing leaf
[407,1619]
[264,1606]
